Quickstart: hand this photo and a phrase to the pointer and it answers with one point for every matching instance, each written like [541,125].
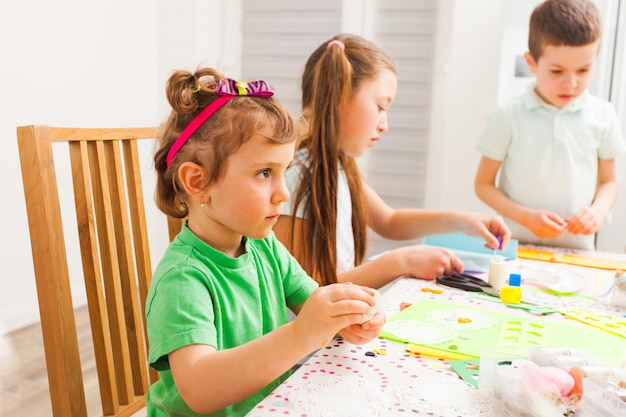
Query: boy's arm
[606,192]
[542,223]
[485,188]
[588,220]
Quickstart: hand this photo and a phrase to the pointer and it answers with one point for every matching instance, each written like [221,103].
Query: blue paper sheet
[464,242]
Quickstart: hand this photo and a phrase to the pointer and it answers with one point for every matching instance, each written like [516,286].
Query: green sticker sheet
[601,320]
[466,330]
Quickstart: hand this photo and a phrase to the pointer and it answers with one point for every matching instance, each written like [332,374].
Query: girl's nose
[382,123]
[281,193]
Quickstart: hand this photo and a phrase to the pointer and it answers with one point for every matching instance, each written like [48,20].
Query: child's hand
[544,223]
[426,262]
[358,334]
[491,228]
[330,309]
[586,221]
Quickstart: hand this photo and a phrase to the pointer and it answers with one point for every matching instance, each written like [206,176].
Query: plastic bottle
[497,272]
[513,293]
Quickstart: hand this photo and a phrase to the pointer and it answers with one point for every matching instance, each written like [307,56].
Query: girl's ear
[193,179]
[530,61]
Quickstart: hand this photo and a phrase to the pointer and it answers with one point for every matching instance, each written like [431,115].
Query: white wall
[464,94]
[87,63]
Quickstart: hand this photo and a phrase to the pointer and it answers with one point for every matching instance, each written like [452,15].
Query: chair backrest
[110,214]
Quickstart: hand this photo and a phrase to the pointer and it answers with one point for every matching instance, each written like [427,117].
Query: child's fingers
[377,322]
[339,292]
[358,309]
[456,263]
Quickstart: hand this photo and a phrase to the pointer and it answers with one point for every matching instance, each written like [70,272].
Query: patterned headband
[226,90]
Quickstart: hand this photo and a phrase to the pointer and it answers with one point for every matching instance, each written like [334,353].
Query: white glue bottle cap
[498,277]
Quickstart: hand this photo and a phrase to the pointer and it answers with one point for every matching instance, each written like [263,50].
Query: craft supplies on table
[574,258]
[512,293]
[467,282]
[547,381]
[452,328]
[471,250]
[497,272]
[463,242]
[388,378]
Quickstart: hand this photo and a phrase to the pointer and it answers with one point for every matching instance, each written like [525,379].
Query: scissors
[467,283]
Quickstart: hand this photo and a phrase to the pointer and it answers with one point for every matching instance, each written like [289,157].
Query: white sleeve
[612,144]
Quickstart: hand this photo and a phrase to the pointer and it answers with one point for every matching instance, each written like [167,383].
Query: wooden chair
[112,231]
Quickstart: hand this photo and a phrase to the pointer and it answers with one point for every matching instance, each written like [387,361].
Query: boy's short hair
[563,22]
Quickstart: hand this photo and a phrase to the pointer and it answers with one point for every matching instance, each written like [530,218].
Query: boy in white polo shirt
[554,146]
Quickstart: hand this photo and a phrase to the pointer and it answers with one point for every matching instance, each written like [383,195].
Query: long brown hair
[217,138]
[331,75]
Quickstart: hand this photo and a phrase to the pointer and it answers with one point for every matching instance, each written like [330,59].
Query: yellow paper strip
[423,350]
[571,259]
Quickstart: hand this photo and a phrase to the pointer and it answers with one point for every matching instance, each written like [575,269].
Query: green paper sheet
[510,330]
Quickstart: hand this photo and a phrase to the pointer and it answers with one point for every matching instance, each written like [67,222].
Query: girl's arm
[418,261]
[588,220]
[209,380]
[405,224]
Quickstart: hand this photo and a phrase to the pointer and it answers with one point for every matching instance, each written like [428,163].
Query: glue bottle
[513,293]
[497,272]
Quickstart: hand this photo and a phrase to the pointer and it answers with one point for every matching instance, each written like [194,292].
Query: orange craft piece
[576,393]
[404,305]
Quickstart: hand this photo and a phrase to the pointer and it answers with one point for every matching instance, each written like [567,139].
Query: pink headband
[226,90]
[337,42]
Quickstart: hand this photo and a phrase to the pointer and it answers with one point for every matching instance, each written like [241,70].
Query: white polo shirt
[550,156]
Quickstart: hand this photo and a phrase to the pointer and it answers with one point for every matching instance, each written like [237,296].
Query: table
[382,378]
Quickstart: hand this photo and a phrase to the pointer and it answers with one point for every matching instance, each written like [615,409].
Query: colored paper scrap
[467,369]
[600,319]
[571,259]
[463,242]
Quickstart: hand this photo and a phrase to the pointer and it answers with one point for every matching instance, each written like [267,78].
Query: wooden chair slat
[51,272]
[122,214]
[115,255]
[92,274]
[173,226]
[139,229]
[111,269]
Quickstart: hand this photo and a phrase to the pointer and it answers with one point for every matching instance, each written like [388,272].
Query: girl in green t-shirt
[217,305]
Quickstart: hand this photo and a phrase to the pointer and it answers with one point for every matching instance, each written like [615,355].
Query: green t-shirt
[199,295]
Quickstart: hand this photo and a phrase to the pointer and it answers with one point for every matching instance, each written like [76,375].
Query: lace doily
[471,319]
[339,396]
[444,397]
[420,332]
